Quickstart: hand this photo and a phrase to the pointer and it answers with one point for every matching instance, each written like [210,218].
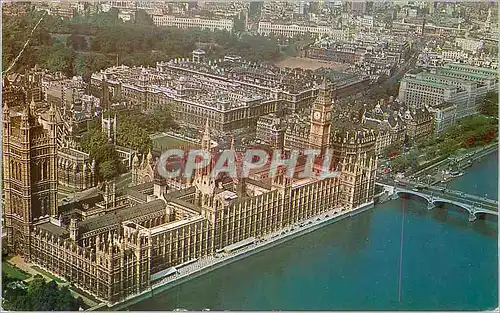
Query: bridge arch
[465,207]
[416,194]
[480,212]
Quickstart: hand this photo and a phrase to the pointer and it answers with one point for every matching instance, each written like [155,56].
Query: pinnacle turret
[205,141]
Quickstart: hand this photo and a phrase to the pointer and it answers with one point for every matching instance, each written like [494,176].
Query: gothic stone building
[124,244]
[29,174]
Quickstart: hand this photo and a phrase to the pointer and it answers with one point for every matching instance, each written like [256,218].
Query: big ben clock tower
[321,118]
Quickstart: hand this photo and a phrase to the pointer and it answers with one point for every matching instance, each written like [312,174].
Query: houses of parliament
[114,245]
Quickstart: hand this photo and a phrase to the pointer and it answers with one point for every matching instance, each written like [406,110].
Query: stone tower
[203,180]
[205,186]
[109,126]
[321,118]
[354,154]
[135,170]
[29,174]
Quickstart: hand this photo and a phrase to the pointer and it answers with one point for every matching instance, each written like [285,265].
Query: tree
[76,42]
[143,18]
[391,150]
[239,24]
[139,43]
[95,143]
[86,64]
[108,169]
[40,296]
[92,140]
[399,164]
[59,58]
[163,118]
[489,107]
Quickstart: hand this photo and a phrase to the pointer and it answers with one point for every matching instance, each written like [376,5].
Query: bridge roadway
[435,196]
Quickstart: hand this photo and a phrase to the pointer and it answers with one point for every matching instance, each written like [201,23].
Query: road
[400,72]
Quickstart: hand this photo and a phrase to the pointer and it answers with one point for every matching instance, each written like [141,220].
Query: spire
[205,141]
[206,134]
[233,146]
[6,109]
[149,157]
[6,82]
[52,113]
[135,161]
[33,103]
[143,161]
[6,114]
[26,113]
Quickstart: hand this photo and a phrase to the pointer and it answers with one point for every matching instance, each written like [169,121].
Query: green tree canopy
[96,144]
[489,107]
[137,43]
[40,296]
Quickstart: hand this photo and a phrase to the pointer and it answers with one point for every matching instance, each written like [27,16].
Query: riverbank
[211,263]
[434,173]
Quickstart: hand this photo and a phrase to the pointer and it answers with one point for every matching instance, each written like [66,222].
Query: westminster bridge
[476,206]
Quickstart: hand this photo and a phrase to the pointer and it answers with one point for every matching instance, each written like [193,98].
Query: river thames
[447,262]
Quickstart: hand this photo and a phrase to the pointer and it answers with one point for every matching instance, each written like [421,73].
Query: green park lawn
[169,142]
[13,271]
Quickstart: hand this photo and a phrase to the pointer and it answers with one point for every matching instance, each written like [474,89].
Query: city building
[419,123]
[467,102]
[231,93]
[12,94]
[490,81]
[469,44]
[193,22]
[451,92]
[357,7]
[417,93]
[267,28]
[75,169]
[386,119]
[270,130]
[115,245]
[444,116]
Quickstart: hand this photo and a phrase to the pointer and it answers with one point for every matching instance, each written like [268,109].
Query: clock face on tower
[317,115]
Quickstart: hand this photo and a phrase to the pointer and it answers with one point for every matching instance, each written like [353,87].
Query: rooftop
[475,75]
[115,218]
[175,224]
[53,229]
[465,66]
[428,83]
